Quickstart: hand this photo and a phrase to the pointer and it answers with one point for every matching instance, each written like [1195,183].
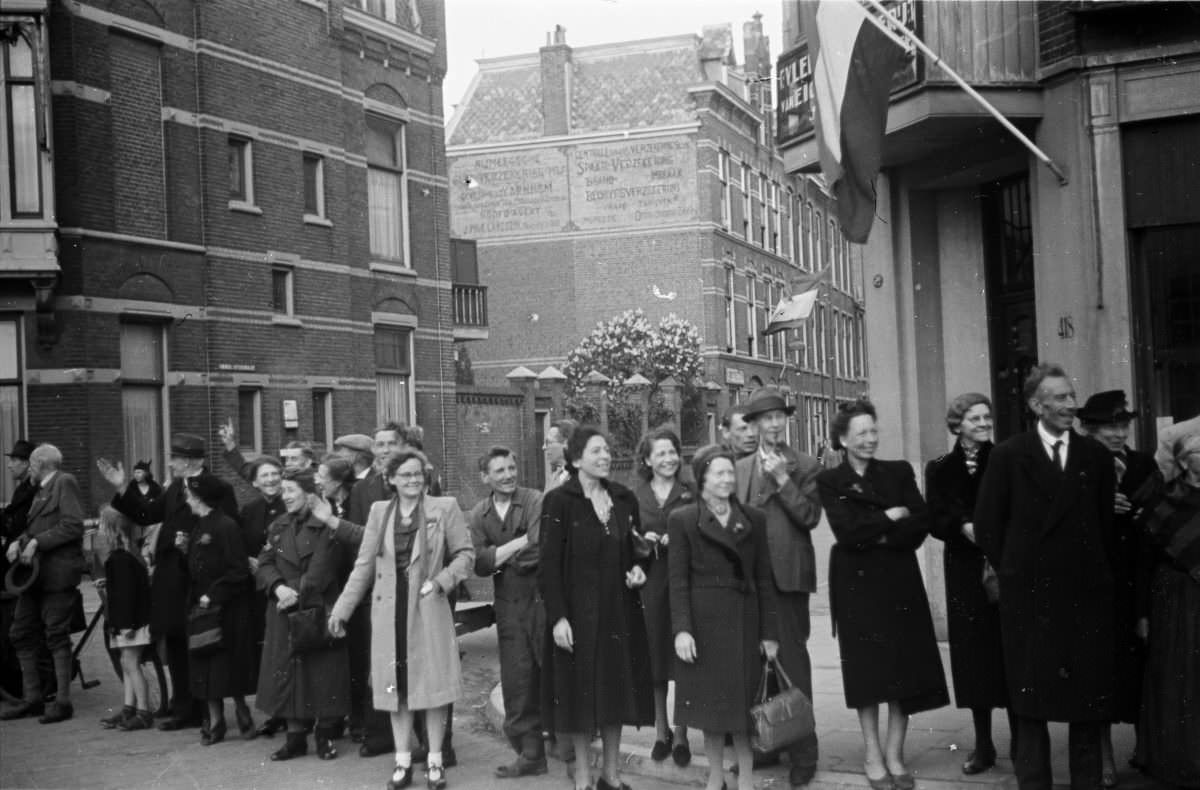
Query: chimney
[758,62]
[556,83]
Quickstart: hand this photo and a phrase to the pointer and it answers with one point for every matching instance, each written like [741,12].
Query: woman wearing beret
[300,568]
[976,655]
[660,490]
[220,577]
[876,595]
[722,612]
[1169,746]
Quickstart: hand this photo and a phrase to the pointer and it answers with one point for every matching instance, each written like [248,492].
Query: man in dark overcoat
[170,579]
[783,484]
[1044,519]
[12,524]
[53,536]
[504,528]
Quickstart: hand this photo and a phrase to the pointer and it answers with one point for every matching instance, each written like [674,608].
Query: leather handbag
[204,630]
[308,630]
[782,719]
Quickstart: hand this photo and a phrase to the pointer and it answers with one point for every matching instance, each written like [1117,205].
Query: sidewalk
[938,741]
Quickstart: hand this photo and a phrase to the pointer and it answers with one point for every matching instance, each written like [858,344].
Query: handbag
[991,583]
[204,630]
[308,630]
[782,719]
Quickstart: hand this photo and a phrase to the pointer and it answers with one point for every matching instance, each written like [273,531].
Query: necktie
[1058,459]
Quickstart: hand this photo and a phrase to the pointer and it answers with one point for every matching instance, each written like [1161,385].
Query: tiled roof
[612,87]
[505,105]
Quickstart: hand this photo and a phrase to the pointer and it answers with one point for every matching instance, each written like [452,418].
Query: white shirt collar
[1049,439]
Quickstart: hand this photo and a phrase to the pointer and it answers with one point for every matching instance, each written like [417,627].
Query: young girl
[126,586]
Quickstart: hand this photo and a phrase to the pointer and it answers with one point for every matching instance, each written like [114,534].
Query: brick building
[644,174]
[246,218]
[984,263]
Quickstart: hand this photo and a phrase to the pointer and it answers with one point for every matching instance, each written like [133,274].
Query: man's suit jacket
[1049,534]
[12,522]
[55,519]
[792,511]
[366,492]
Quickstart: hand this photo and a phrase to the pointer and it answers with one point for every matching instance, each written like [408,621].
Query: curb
[636,761]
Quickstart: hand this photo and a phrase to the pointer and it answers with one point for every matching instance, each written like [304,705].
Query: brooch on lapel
[205,539]
[738,528]
[686,496]
[856,488]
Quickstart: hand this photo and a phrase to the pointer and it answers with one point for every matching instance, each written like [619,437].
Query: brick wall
[1056,32]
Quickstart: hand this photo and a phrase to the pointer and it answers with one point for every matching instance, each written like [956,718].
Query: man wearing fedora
[12,524]
[170,580]
[52,545]
[1106,417]
[783,484]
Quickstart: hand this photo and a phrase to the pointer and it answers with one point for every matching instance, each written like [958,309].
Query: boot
[296,745]
[31,702]
[325,748]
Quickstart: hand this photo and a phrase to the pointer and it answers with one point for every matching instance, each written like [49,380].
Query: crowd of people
[1072,571]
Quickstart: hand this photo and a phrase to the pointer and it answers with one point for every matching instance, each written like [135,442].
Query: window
[773,217]
[762,210]
[21,107]
[730,319]
[726,194]
[249,428]
[314,187]
[822,349]
[283,291]
[387,187]
[832,254]
[10,395]
[806,234]
[393,374]
[747,204]
[785,223]
[818,249]
[322,411]
[800,344]
[241,171]
[751,316]
[142,391]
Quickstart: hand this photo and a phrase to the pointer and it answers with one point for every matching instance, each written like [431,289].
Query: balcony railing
[470,305]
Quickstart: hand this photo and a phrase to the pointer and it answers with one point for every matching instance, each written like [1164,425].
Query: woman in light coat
[415,550]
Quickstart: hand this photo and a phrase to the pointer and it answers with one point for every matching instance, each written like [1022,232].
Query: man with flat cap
[1106,417]
[356,448]
[12,524]
[783,484]
[169,583]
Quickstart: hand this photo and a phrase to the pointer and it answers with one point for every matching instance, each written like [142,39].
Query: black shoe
[114,721]
[271,726]
[59,711]
[682,754]
[800,775]
[245,723]
[214,735]
[435,777]
[662,749]
[602,784]
[296,745]
[979,761]
[177,723]
[371,748]
[401,777]
[22,710]
[142,720]
[163,712]
[765,759]
[522,766]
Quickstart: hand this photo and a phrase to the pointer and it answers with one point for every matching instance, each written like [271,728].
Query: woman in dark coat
[660,491]
[300,568]
[596,674]
[723,612]
[876,594]
[1169,599]
[976,653]
[220,577]
[140,499]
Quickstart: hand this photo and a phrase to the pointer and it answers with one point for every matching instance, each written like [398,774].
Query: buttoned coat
[55,518]
[792,511]
[301,553]
[169,579]
[656,594]
[442,553]
[1049,535]
[218,569]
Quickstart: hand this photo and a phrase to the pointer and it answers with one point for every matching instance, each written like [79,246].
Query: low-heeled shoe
[978,762]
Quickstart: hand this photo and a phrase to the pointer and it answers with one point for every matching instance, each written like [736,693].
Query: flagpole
[974,94]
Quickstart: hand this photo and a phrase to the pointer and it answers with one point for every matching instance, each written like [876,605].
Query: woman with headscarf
[300,570]
[1169,600]
[659,491]
[416,548]
[596,674]
[976,655]
[722,612]
[220,577]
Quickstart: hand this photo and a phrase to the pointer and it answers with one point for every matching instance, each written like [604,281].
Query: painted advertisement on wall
[508,194]
[640,183]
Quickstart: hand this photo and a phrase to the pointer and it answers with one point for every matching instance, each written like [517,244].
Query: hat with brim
[1106,407]
[766,399]
[356,442]
[187,445]
[21,576]
[21,449]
